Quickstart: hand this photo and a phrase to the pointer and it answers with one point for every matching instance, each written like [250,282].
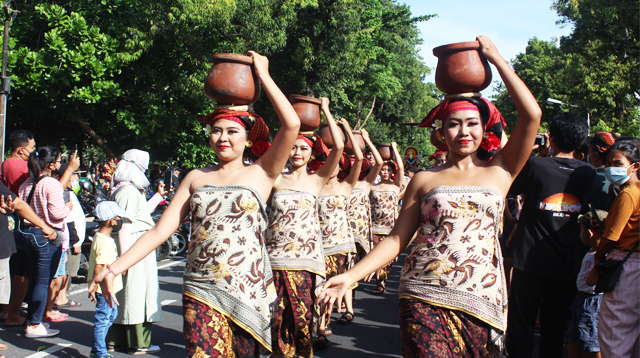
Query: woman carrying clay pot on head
[452,283]
[294,243]
[339,247]
[359,205]
[384,207]
[228,282]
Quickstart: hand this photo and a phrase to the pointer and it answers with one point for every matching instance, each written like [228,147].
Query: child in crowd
[583,331]
[103,253]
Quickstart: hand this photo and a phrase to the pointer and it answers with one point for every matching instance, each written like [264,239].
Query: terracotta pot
[232,80]
[325,133]
[348,148]
[461,68]
[308,109]
[385,150]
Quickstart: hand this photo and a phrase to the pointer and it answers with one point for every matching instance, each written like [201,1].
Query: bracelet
[110,270]
[68,170]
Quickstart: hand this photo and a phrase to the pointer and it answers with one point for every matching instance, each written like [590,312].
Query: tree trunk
[373,104]
[101,143]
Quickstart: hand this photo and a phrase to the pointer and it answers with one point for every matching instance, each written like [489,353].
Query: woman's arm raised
[377,165]
[273,161]
[354,174]
[518,149]
[399,180]
[334,156]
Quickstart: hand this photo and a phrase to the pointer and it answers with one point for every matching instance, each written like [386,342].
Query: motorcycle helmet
[86,186]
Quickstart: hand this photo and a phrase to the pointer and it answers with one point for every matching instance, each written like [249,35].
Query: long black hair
[39,159]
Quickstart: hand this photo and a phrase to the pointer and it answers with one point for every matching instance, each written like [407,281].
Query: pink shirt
[47,201]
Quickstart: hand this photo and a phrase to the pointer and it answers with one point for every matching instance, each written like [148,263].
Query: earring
[485,135]
[248,144]
[313,157]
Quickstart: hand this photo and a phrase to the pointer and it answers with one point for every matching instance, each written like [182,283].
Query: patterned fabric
[338,264]
[295,311]
[456,262]
[208,333]
[359,216]
[429,331]
[384,211]
[227,265]
[293,235]
[336,236]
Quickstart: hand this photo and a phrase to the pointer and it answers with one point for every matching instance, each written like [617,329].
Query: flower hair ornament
[493,128]
[258,139]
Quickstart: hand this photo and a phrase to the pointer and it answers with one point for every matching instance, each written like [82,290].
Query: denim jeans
[44,259]
[105,316]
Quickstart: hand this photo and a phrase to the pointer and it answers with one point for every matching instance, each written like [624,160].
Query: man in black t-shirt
[547,250]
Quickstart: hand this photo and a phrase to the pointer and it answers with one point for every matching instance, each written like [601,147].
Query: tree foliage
[596,68]
[129,73]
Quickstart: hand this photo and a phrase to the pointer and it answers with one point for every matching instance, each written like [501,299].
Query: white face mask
[617,175]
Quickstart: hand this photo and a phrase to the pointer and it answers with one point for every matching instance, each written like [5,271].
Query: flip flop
[56,318]
[70,303]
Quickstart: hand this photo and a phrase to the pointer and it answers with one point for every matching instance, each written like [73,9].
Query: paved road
[374,331]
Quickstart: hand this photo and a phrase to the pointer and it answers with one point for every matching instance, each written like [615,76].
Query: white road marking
[167,302]
[168,264]
[48,351]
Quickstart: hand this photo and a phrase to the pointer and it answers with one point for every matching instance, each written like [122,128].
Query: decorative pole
[5,84]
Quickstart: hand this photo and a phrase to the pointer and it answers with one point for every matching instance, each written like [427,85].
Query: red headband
[306,139]
[258,132]
[446,107]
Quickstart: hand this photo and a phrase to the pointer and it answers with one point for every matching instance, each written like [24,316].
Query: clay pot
[308,109]
[232,80]
[325,133]
[348,147]
[461,68]
[385,150]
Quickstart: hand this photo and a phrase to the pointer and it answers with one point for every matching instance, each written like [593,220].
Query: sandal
[380,289]
[69,303]
[346,318]
[320,342]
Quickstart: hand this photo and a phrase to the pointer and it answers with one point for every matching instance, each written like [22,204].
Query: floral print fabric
[295,311]
[384,211]
[457,262]
[359,217]
[336,236]
[227,265]
[209,334]
[430,331]
[293,236]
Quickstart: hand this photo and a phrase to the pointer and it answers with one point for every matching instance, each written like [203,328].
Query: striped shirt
[47,201]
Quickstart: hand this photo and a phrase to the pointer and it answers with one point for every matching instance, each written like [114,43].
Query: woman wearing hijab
[140,298]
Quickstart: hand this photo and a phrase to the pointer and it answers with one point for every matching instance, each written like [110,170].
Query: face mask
[617,175]
[117,226]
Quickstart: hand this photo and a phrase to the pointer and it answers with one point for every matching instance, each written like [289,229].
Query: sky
[508,23]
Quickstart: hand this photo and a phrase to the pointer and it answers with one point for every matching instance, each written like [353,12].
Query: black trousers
[553,296]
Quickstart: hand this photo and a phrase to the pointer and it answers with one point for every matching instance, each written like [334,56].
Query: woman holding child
[452,290]
[228,291]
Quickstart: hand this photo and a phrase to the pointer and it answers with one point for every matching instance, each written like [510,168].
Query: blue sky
[509,24]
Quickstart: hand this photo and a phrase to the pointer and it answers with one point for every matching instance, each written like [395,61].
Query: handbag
[610,271]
